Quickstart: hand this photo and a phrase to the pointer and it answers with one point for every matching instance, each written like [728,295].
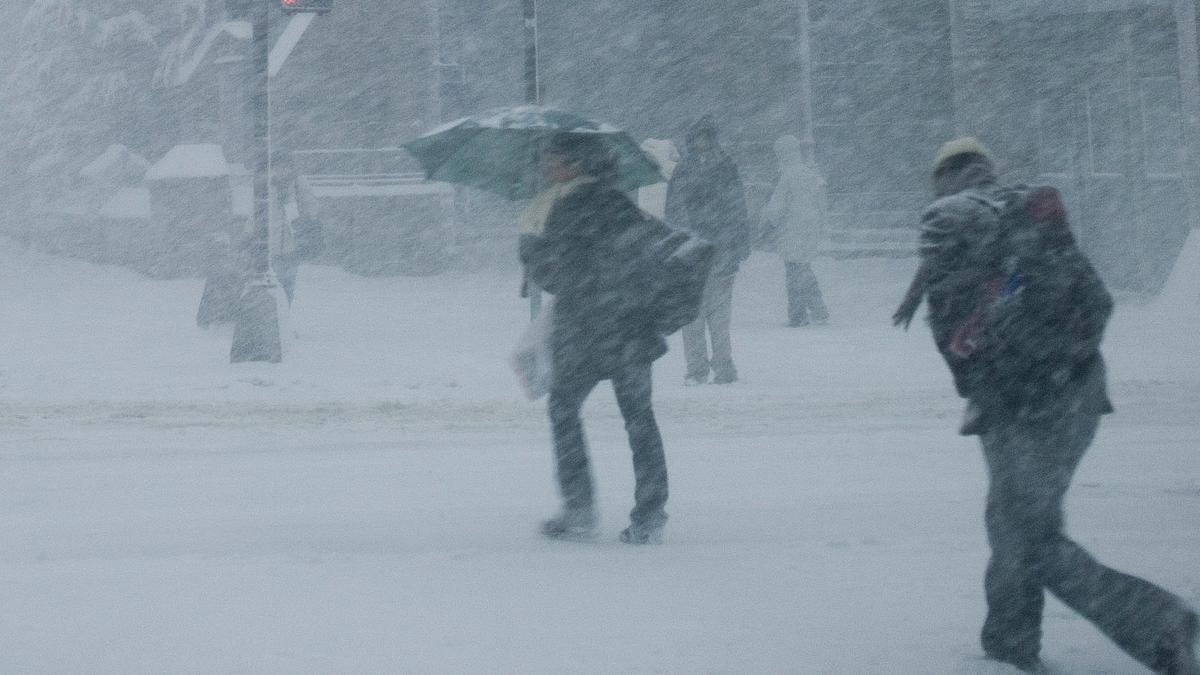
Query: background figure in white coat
[796,215]
[653,198]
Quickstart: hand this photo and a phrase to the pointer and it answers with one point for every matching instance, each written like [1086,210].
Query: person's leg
[285,270]
[810,294]
[695,342]
[1148,622]
[720,314]
[633,388]
[570,448]
[797,314]
[1012,630]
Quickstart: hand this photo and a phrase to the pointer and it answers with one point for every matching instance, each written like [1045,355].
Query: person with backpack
[705,197]
[1018,313]
[590,252]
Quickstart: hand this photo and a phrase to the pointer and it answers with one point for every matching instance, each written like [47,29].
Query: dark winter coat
[705,197]
[1046,308]
[959,253]
[589,258]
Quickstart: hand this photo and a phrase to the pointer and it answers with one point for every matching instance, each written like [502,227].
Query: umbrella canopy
[498,150]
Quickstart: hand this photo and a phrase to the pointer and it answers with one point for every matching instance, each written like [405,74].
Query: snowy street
[370,504]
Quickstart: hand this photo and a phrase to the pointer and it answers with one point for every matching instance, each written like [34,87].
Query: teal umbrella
[497,150]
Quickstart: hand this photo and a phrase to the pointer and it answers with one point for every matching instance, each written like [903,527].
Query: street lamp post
[533,93]
[1189,87]
[804,45]
[259,331]
[261,326]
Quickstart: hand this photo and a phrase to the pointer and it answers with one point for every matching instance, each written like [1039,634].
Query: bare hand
[904,313]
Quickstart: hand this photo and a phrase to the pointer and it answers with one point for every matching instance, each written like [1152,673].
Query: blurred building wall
[1081,93]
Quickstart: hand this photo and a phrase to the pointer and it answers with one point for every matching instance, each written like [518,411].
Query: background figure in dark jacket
[705,197]
[588,257]
[290,200]
[1035,377]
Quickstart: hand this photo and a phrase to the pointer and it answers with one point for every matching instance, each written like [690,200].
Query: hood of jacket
[975,174]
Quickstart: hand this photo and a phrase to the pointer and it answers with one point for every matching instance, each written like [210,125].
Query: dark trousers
[1030,468]
[804,295]
[285,270]
[633,388]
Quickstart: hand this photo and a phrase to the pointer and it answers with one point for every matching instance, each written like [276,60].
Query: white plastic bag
[531,359]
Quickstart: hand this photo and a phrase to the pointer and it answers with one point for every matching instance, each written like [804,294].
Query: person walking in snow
[705,196]
[293,207]
[1018,313]
[795,214]
[582,241]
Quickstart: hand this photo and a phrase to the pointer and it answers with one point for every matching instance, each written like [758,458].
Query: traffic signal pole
[1189,88]
[261,318]
[261,329]
[287,40]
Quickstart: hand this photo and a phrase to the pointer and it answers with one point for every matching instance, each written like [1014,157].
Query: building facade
[1084,95]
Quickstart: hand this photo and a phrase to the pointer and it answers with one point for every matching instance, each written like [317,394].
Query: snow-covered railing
[364,178]
[374,185]
[365,172]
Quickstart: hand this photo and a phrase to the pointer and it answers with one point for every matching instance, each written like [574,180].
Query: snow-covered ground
[370,504]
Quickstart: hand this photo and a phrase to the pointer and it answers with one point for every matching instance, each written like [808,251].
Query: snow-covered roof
[115,158]
[239,30]
[199,160]
[45,163]
[127,204]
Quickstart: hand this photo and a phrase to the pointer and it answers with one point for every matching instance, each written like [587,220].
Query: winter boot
[1032,665]
[1179,648]
[571,525]
[728,376]
[643,534]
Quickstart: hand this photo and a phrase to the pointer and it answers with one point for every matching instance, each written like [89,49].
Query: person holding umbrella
[582,241]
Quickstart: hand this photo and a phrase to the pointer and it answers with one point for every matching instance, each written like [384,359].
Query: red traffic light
[314,6]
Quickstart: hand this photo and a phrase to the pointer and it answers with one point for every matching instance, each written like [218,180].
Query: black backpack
[677,267]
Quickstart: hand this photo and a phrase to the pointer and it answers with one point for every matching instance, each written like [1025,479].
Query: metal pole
[807,121]
[959,68]
[1189,90]
[533,96]
[257,335]
[434,13]
[262,135]
[533,86]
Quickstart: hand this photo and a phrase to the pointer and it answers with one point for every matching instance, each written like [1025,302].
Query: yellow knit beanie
[960,146]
